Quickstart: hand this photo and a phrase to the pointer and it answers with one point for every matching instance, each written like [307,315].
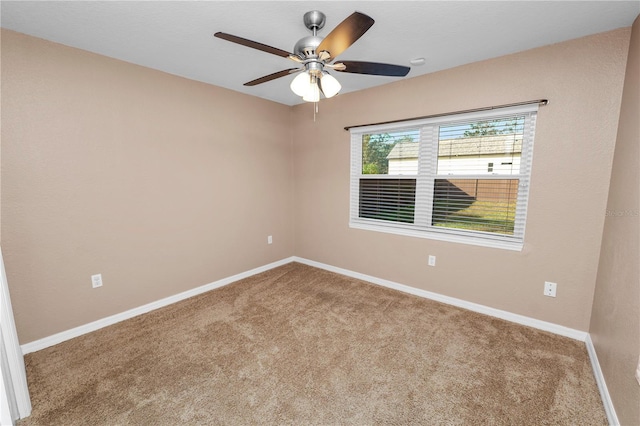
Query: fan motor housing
[306,47]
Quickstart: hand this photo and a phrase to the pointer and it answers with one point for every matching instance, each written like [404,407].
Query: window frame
[427,174]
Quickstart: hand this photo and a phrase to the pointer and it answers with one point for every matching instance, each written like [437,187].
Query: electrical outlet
[269,239]
[96,280]
[432,260]
[550,289]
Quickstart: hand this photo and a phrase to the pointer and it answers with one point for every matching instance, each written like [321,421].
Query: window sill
[444,235]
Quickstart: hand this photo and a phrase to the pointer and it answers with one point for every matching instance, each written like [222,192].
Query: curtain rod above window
[540,102]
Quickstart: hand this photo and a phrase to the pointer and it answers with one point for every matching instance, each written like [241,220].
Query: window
[461,178]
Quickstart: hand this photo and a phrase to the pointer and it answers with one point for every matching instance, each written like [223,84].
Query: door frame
[17,388]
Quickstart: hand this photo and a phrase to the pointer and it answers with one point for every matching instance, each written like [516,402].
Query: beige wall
[615,320]
[573,152]
[116,169]
[161,184]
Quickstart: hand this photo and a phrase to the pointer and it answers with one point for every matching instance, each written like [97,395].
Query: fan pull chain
[315,111]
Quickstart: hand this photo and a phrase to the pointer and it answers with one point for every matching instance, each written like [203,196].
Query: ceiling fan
[315,55]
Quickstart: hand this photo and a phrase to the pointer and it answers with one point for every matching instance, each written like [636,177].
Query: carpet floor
[300,345]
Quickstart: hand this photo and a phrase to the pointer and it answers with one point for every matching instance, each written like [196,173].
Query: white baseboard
[96,325]
[505,315]
[113,319]
[612,417]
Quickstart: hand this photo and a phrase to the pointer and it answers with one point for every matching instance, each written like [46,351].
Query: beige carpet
[299,345]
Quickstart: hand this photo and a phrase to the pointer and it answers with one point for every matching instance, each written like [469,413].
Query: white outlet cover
[550,289]
[432,260]
[96,280]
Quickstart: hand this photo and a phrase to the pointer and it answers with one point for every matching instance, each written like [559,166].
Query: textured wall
[161,184]
[615,321]
[116,169]
[113,168]
[573,152]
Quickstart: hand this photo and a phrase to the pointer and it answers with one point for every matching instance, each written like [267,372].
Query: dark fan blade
[374,68]
[345,34]
[272,76]
[252,44]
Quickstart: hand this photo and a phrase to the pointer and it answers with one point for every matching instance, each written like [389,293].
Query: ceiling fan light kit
[315,53]
[308,85]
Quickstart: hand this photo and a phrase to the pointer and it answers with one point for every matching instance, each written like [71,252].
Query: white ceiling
[177,36]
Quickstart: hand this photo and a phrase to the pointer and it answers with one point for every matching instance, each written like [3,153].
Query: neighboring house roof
[404,150]
[484,145]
